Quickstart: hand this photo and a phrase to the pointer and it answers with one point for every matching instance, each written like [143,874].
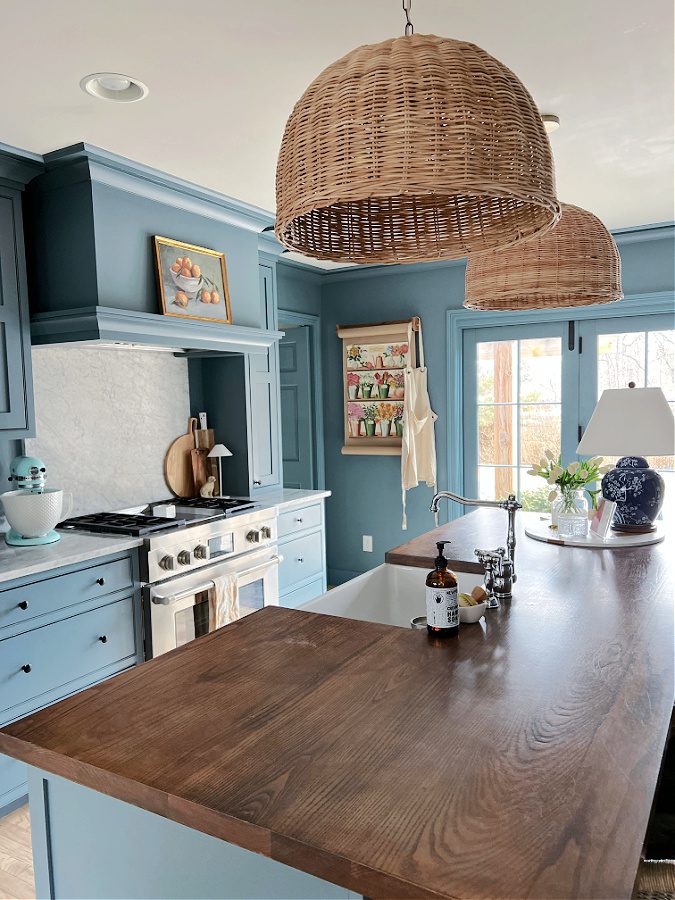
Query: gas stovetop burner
[121,523]
[223,505]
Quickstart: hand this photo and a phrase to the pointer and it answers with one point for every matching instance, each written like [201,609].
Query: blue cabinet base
[87,844]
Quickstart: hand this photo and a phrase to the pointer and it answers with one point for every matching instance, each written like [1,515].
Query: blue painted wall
[298,290]
[367,490]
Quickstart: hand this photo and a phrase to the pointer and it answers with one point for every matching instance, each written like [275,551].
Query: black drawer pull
[299,521]
[103,639]
[27,668]
[23,604]
[300,559]
[100,581]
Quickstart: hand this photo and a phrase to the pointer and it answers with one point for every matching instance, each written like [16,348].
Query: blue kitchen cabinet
[302,549]
[264,414]
[60,632]
[16,393]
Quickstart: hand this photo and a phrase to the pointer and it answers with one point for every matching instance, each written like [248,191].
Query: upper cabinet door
[16,390]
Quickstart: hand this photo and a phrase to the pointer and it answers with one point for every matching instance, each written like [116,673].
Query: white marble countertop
[74,547]
[289,497]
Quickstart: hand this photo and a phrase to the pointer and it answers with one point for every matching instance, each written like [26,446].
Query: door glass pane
[621,358]
[661,361]
[540,370]
[496,482]
[539,431]
[497,434]
[496,365]
[534,492]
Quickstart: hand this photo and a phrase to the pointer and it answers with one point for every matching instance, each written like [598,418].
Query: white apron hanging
[418,450]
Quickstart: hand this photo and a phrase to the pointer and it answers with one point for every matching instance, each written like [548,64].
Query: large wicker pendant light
[575,264]
[415,149]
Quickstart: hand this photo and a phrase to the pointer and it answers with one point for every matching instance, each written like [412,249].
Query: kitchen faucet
[499,564]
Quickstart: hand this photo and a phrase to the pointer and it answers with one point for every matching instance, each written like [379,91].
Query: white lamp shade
[219,450]
[630,422]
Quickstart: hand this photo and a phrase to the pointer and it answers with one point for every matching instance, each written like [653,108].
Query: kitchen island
[300,755]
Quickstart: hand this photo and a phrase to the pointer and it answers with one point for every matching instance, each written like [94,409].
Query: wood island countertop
[519,759]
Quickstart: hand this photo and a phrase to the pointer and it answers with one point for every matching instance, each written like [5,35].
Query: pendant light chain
[409,29]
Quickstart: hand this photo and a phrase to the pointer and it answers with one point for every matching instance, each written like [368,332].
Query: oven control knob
[185,557]
[167,562]
[266,532]
[253,536]
[202,551]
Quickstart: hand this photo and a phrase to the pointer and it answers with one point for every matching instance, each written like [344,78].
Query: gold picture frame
[203,292]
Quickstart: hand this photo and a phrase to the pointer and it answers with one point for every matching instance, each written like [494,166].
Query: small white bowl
[470,614]
[189,285]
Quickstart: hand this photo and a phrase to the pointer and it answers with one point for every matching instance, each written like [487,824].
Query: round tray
[541,531]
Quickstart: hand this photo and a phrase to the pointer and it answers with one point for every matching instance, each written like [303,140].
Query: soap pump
[441,596]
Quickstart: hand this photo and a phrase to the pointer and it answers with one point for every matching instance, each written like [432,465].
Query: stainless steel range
[182,557]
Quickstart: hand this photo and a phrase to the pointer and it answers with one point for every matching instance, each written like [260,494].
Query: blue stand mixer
[30,507]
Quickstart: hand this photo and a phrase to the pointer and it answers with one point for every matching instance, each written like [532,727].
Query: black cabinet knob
[103,639]
[23,604]
[27,668]
[100,581]
[256,482]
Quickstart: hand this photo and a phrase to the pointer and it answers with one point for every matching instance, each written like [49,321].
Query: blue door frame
[656,303]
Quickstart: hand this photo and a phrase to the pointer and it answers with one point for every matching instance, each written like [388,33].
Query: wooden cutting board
[178,463]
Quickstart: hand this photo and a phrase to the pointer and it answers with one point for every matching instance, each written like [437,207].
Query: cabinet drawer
[39,597]
[302,558]
[46,658]
[295,520]
[308,592]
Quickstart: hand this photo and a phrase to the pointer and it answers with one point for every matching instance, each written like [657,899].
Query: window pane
[621,358]
[496,365]
[661,361]
[534,492]
[539,431]
[495,483]
[497,434]
[540,370]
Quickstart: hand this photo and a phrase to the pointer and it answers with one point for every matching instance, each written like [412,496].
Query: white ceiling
[223,77]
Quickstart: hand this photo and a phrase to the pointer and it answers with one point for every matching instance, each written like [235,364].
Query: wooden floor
[16,862]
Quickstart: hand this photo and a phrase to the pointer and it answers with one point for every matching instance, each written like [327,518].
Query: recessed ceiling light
[551,122]
[113,86]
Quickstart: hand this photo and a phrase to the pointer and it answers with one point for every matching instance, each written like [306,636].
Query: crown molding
[18,167]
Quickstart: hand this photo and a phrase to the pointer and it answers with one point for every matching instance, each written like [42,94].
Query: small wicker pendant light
[575,264]
[415,149]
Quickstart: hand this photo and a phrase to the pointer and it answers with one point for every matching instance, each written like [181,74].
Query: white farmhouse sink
[392,595]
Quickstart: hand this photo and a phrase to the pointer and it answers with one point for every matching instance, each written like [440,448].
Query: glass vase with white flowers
[569,512]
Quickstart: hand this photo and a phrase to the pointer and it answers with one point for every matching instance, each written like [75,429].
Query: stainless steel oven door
[177,610]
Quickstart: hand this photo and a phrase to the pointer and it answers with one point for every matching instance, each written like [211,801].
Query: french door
[532,388]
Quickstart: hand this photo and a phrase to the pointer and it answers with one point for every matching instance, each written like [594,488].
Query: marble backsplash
[105,418]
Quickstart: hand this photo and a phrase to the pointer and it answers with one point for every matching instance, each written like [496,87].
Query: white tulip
[543,463]
[533,472]
[573,466]
[551,478]
[549,455]
[595,461]
[557,471]
[604,469]
[552,496]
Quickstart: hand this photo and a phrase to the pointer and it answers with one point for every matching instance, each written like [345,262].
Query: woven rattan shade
[415,149]
[575,264]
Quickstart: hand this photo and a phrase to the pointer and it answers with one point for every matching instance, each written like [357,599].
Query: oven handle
[169,599]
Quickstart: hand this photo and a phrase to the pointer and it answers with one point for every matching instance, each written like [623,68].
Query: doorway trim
[314,324]
[459,320]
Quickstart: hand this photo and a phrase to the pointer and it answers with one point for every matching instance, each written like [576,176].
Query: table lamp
[218,451]
[631,423]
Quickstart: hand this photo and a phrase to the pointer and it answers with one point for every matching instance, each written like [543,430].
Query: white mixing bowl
[33,515]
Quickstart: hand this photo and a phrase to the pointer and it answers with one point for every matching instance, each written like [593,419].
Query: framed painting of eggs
[192,281]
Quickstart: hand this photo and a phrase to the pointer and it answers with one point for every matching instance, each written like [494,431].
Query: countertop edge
[307,858]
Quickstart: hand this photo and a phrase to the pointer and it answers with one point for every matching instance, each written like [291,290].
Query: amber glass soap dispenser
[442,607]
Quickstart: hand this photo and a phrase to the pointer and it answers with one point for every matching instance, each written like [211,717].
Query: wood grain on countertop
[517,760]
